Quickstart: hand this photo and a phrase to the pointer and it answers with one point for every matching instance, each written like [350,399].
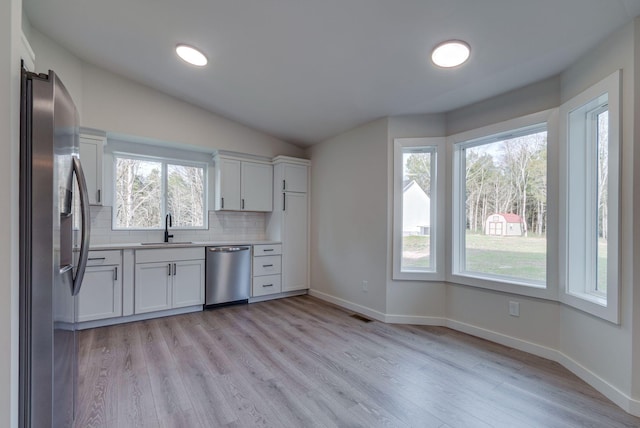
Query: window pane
[506,203]
[416,209]
[603,183]
[138,196]
[185,195]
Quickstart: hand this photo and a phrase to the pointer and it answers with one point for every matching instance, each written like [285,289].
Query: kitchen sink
[167,243]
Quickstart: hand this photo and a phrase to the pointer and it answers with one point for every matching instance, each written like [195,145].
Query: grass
[512,256]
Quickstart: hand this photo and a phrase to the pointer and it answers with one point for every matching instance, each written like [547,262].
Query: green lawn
[415,251]
[512,256]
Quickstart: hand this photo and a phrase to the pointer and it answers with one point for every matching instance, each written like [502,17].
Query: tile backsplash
[223,226]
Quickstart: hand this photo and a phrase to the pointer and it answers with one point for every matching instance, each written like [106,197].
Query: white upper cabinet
[294,178]
[256,189]
[91,149]
[227,184]
[243,185]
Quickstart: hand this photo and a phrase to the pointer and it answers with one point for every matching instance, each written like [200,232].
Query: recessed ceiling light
[450,53]
[191,55]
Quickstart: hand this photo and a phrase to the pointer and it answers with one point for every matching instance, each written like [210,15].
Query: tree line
[510,176]
[138,194]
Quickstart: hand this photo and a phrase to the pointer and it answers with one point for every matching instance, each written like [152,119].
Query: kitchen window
[146,189]
[590,198]
[417,245]
[501,214]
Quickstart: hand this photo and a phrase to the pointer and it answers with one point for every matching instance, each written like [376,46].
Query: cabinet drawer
[267,250]
[267,265]
[169,254]
[104,258]
[263,285]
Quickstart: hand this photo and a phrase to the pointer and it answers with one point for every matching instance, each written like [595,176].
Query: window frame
[436,146]
[457,204]
[165,161]
[590,301]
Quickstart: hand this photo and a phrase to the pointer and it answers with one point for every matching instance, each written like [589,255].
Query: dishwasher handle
[227,249]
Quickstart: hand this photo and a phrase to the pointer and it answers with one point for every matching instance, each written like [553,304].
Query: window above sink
[148,188]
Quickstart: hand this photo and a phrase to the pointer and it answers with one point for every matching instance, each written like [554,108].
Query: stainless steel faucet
[168,220]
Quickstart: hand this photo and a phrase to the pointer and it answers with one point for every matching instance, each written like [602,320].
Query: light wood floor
[300,362]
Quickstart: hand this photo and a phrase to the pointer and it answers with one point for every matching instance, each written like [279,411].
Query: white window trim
[165,160]
[437,209]
[455,202]
[610,309]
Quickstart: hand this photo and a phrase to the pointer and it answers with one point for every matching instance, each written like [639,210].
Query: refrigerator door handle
[85,216]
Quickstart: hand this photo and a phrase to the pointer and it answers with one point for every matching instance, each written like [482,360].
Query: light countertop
[140,246]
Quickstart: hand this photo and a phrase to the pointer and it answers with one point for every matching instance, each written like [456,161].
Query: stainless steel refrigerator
[51,270]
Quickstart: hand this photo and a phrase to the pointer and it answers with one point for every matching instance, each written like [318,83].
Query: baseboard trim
[137,317]
[378,316]
[624,401]
[504,339]
[416,320]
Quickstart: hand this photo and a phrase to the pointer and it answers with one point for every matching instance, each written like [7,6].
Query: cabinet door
[294,178]
[295,238]
[101,293]
[153,287]
[188,283]
[91,157]
[256,187]
[227,184]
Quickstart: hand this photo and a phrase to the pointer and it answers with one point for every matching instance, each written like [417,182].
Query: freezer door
[48,346]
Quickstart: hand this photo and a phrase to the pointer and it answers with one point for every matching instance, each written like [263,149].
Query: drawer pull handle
[267,265]
[97,258]
[268,250]
[267,285]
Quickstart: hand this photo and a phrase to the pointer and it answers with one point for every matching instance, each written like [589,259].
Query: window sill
[505,285]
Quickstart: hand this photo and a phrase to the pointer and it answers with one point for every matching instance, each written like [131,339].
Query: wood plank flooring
[300,362]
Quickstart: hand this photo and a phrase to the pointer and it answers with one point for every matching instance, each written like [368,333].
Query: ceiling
[306,70]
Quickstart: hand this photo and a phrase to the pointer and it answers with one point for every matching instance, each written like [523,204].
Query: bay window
[417,245]
[590,197]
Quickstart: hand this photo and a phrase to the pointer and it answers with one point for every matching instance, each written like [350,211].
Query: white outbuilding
[416,212]
[503,224]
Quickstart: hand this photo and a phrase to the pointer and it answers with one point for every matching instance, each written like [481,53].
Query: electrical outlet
[514,309]
[365,286]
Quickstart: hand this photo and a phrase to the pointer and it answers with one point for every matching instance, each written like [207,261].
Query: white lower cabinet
[168,279]
[266,269]
[188,283]
[100,296]
[152,287]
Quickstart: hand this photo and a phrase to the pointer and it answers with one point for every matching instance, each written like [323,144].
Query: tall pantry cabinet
[289,221]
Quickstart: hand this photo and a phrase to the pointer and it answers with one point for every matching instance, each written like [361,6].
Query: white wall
[112,103]
[411,301]
[10,29]
[578,330]
[530,99]
[600,352]
[349,217]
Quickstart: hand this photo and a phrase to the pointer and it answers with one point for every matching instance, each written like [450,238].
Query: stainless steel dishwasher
[227,275]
